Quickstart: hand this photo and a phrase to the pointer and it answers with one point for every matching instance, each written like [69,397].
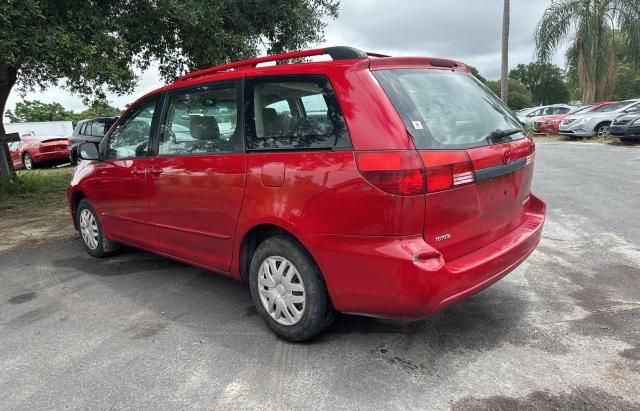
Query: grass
[34,188]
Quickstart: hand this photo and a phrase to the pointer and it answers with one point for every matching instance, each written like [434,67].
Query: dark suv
[90,130]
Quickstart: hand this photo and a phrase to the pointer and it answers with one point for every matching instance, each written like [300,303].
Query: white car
[544,111]
[597,121]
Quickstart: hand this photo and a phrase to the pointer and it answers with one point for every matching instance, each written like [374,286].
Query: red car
[374,185]
[32,151]
[551,124]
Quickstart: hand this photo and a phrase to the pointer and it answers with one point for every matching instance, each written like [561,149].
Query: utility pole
[504,79]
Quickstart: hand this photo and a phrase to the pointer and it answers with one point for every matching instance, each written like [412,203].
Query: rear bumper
[61,155]
[405,278]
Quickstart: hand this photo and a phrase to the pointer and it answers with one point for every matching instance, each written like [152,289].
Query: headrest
[269,115]
[204,128]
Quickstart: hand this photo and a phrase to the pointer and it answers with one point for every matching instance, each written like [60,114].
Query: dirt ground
[35,218]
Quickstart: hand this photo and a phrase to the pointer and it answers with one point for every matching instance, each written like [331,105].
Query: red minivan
[365,184]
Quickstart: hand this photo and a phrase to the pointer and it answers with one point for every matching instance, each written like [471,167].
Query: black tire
[73,158]
[318,312]
[103,247]
[602,129]
[28,162]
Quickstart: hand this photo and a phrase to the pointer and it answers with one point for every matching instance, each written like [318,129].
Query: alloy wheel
[28,162]
[89,229]
[603,131]
[281,290]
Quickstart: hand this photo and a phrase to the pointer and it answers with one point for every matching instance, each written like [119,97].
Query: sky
[465,30]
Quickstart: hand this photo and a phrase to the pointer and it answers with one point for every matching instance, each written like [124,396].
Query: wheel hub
[281,290]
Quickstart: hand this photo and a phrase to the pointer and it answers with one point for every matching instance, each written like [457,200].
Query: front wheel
[29,164]
[288,290]
[91,231]
[603,130]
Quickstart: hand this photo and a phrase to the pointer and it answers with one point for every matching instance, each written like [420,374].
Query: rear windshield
[443,109]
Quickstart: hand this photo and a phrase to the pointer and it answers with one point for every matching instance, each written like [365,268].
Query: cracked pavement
[140,331]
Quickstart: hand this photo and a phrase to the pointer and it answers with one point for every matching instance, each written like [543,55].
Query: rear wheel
[91,231]
[28,162]
[602,130]
[288,290]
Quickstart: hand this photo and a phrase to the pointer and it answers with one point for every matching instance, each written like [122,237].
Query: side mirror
[89,151]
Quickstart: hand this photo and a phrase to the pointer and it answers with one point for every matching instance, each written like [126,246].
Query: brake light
[449,176]
[395,172]
[446,170]
[532,150]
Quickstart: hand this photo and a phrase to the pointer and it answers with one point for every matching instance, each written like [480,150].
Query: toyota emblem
[506,156]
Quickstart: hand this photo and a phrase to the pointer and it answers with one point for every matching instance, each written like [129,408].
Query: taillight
[445,170]
[395,172]
[532,150]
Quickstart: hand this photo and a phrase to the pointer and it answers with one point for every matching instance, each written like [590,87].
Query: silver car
[597,121]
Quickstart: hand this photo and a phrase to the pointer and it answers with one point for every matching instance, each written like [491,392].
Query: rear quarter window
[293,113]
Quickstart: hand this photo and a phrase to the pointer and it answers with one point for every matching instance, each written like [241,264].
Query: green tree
[545,81]
[476,73]
[519,95]
[38,111]
[99,108]
[593,47]
[91,47]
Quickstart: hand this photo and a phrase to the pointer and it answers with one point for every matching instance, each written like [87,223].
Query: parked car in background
[551,124]
[597,121]
[271,191]
[33,151]
[544,111]
[626,128]
[522,114]
[88,130]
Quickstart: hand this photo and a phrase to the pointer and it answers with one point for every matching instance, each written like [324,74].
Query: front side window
[443,109]
[130,139]
[201,121]
[294,113]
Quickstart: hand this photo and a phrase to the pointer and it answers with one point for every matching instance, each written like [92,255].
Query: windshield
[580,109]
[445,109]
[612,107]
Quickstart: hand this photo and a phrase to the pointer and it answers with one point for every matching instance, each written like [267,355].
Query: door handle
[138,172]
[155,171]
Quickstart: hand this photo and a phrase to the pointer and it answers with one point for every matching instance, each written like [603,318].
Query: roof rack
[336,53]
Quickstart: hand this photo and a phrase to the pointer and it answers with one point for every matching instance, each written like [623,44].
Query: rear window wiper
[497,136]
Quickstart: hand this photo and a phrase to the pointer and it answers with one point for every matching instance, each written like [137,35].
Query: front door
[121,195]
[196,183]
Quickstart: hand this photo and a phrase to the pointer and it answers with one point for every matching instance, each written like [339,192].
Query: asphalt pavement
[141,331]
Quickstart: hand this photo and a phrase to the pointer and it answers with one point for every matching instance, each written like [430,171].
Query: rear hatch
[478,159]
[50,144]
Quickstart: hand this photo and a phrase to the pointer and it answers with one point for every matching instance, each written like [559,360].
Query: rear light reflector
[395,172]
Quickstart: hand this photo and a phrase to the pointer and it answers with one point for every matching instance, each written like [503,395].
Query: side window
[200,121]
[130,139]
[561,110]
[294,112]
[98,128]
[83,128]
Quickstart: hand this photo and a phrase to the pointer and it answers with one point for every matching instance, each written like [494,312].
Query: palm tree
[592,49]
[504,79]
